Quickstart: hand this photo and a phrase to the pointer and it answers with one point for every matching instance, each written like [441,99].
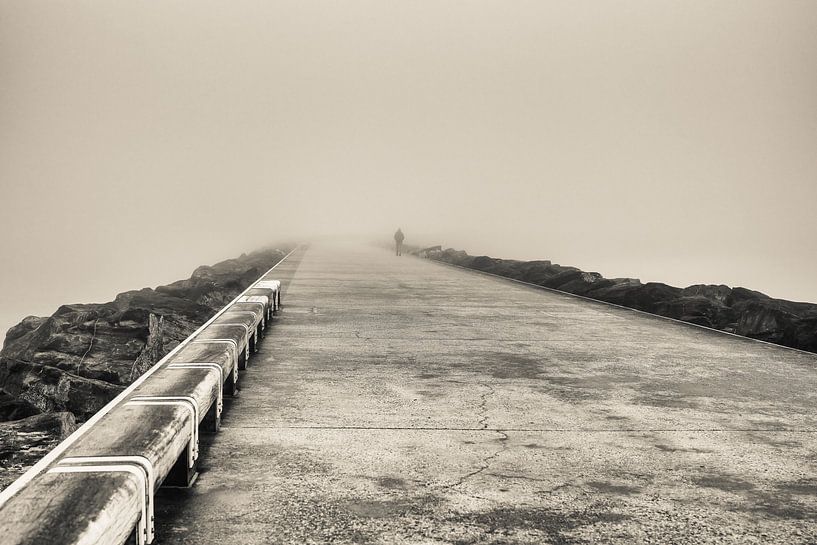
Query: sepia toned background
[670,141]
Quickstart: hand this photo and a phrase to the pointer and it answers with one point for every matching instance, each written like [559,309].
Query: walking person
[398,241]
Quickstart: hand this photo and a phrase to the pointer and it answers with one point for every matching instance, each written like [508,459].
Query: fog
[670,141]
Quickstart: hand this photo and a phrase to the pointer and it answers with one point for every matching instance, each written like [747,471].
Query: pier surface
[405,401]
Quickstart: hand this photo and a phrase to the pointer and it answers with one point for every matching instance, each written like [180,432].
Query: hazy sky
[672,141]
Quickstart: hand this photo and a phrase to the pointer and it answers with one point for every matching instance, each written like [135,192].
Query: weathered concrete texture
[401,401]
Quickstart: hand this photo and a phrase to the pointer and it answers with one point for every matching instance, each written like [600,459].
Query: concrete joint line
[523,430]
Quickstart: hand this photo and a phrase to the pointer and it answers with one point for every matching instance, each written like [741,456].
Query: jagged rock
[154,347]
[51,389]
[574,281]
[697,309]
[719,293]
[423,252]
[803,333]
[737,310]
[763,319]
[25,441]
[30,323]
[70,364]
[12,408]
[80,357]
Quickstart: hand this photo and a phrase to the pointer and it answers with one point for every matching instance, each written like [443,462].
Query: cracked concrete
[483,404]
[486,462]
[409,411]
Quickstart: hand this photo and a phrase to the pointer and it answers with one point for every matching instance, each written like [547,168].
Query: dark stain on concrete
[574,355]
[392,482]
[668,448]
[644,477]
[435,394]
[774,441]
[586,387]
[767,424]
[371,508]
[727,483]
[514,365]
[556,525]
[666,400]
[610,488]
[802,487]
[375,509]
[570,393]
[779,505]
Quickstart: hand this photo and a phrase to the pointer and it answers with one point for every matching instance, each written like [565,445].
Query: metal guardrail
[97,485]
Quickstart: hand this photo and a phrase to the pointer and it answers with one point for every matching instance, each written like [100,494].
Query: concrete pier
[405,401]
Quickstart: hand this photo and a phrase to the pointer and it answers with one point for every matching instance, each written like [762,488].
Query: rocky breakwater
[57,371]
[736,310]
